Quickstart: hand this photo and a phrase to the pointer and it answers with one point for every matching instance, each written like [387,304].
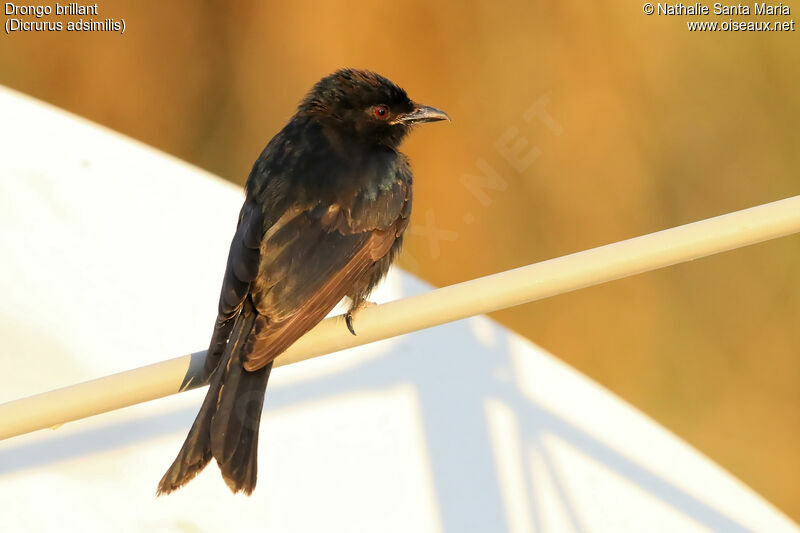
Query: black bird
[325,208]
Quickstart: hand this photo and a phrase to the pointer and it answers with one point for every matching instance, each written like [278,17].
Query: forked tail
[226,427]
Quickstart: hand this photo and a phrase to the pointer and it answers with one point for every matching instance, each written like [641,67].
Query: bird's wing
[309,259]
[243,261]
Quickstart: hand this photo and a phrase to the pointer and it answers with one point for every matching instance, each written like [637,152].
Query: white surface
[109,247]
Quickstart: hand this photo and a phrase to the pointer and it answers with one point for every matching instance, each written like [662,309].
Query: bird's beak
[420,114]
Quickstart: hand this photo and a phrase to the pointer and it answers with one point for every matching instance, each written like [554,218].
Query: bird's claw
[348,318]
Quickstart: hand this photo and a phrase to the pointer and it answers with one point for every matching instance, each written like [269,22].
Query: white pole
[478,296]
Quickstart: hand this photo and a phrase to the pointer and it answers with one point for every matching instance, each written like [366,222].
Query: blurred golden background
[573,126]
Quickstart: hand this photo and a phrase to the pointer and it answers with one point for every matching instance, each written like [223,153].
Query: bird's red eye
[380,111]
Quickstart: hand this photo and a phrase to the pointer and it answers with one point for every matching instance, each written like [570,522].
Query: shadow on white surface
[454,382]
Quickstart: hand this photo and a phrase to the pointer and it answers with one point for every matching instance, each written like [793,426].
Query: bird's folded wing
[310,258]
[243,261]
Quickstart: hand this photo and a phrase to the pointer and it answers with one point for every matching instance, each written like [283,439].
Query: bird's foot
[348,317]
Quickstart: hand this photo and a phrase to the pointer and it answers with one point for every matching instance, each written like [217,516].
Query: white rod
[478,296]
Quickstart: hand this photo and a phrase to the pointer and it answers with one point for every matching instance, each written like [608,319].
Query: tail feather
[234,426]
[196,450]
[226,427]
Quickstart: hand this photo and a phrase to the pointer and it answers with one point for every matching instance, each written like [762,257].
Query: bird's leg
[356,307]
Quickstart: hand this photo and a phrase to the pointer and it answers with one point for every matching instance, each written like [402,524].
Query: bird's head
[366,105]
